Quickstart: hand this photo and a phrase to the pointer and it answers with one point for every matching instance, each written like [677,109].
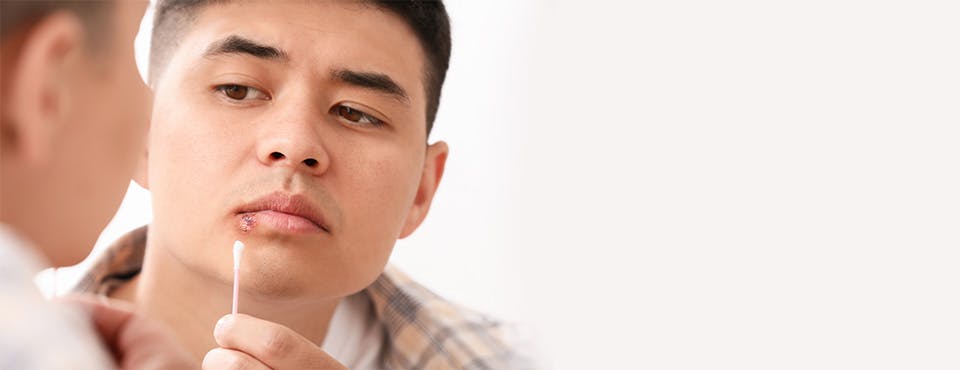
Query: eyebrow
[375,81]
[234,44]
[378,82]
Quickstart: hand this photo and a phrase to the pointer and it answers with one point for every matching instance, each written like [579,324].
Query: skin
[210,153]
[74,125]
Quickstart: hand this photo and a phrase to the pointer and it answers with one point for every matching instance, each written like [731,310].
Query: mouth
[287,213]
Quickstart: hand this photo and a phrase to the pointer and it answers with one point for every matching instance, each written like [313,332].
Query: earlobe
[36,99]
[433,167]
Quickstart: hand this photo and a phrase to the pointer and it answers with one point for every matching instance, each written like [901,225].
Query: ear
[36,101]
[433,167]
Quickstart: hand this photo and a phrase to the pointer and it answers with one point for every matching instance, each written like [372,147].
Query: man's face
[297,128]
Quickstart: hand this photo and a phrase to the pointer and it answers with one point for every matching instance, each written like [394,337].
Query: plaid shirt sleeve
[428,332]
[424,331]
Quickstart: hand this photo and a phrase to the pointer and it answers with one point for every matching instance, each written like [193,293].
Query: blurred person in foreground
[73,124]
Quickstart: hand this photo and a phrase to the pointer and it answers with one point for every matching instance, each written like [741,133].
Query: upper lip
[292,204]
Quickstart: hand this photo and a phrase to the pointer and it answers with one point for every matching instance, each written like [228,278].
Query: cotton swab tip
[237,253]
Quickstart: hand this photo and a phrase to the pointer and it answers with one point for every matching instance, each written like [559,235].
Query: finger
[273,344]
[135,341]
[109,317]
[228,359]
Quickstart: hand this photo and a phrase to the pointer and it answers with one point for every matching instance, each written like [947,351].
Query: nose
[300,149]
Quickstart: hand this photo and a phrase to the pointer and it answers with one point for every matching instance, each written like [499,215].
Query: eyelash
[223,90]
[340,110]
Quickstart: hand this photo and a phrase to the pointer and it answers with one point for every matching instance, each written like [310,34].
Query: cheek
[133,128]
[186,160]
[131,98]
[382,190]
[189,177]
[111,132]
[379,195]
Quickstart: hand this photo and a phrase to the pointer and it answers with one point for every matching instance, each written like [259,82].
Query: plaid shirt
[424,331]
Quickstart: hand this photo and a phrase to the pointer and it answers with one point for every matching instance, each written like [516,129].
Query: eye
[356,116]
[240,92]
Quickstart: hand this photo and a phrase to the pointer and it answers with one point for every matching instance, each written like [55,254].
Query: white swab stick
[237,255]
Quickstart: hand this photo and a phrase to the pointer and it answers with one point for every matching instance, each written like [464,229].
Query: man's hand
[247,342]
[134,341]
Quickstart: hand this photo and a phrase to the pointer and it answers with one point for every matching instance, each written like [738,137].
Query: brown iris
[236,92]
[350,113]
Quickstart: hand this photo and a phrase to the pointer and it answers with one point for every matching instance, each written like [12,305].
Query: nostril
[310,162]
[276,155]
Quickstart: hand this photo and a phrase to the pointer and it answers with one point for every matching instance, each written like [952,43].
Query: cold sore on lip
[247,222]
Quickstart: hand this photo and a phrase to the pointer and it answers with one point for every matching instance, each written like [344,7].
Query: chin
[273,284]
[282,277]
[68,259]
[69,254]
[306,279]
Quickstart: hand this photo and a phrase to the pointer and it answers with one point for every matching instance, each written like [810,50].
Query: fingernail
[221,325]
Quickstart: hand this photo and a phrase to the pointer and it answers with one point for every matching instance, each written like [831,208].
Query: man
[73,121]
[299,128]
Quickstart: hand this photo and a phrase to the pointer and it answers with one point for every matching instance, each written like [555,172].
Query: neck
[191,302]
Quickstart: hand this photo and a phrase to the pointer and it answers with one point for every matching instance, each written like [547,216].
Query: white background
[699,184]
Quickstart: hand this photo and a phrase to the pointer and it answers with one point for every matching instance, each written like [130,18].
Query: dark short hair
[427,19]
[23,14]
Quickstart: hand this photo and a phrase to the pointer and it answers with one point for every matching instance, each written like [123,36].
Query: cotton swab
[237,255]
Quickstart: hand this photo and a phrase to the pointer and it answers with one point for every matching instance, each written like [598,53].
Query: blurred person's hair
[427,19]
[21,15]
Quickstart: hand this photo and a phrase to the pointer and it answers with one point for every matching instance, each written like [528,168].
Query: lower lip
[279,221]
